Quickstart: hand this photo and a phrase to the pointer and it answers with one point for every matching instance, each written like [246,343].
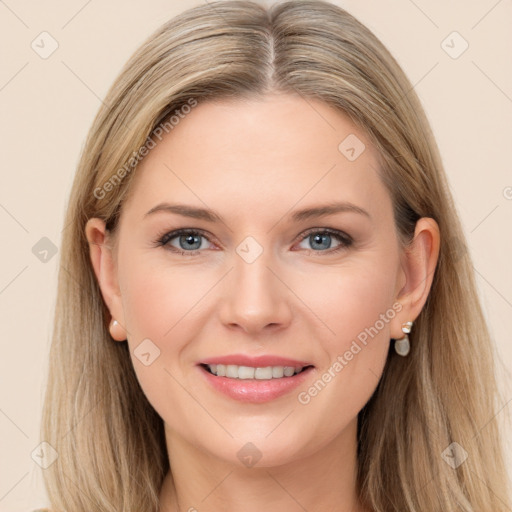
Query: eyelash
[163,239]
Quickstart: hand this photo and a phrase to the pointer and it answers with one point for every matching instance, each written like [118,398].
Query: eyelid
[163,239]
[173,233]
[331,231]
[344,238]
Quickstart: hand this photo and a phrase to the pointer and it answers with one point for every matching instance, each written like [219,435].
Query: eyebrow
[299,215]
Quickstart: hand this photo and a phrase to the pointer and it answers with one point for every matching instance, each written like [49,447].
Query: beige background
[47,106]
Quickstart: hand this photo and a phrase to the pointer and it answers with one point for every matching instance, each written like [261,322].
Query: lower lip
[254,390]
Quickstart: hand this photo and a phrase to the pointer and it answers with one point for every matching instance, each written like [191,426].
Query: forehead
[260,153]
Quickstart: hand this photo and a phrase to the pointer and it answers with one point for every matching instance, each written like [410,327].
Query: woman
[264,299]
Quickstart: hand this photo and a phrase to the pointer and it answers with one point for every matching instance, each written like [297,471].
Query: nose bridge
[254,298]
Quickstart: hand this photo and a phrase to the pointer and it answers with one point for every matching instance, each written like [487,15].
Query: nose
[255,300]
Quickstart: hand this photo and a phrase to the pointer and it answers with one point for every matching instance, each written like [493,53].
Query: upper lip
[255,361]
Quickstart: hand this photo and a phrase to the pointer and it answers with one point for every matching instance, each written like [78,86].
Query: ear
[419,262]
[105,268]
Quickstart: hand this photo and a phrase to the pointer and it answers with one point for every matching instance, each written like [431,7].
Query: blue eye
[321,240]
[188,241]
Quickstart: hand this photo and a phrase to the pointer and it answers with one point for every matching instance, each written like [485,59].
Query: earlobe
[419,264]
[117,331]
[105,270]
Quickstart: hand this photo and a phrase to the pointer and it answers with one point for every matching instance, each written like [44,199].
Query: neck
[324,480]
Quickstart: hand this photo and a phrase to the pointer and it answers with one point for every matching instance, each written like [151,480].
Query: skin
[255,162]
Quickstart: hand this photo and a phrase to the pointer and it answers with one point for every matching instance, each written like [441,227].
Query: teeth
[277,372]
[233,371]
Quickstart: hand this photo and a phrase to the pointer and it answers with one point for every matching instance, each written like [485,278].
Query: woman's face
[263,273]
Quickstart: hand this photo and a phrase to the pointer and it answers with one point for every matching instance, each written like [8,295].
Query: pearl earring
[116,330]
[402,346]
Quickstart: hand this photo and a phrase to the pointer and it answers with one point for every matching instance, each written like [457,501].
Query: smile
[233,371]
[254,384]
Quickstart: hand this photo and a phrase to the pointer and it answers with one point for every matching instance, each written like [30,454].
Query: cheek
[157,297]
[351,299]
[353,357]
[158,304]
[163,303]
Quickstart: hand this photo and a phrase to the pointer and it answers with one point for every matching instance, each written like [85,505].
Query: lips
[253,390]
[237,381]
[255,361]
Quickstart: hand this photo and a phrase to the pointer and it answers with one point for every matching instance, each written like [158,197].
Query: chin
[260,451]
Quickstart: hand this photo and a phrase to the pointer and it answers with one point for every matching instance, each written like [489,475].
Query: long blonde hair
[110,441]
